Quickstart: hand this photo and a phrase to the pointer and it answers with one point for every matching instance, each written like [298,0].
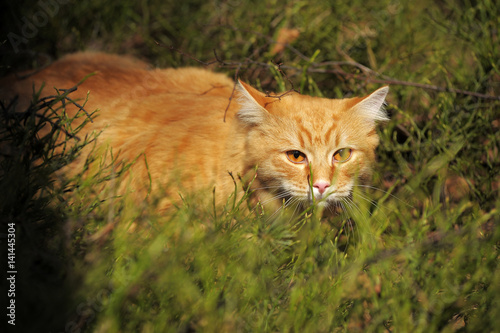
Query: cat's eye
[342,155]
[296,156]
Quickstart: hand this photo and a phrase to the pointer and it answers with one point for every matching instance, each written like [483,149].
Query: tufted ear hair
[253,104]
[371,107]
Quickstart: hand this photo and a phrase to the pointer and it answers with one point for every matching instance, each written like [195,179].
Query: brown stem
[368,75]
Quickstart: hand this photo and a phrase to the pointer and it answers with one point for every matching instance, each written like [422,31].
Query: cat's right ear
[253,102]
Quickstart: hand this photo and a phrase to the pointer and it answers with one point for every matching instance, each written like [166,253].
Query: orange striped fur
[175,118]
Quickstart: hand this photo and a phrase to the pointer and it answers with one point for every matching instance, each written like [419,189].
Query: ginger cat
[175,118]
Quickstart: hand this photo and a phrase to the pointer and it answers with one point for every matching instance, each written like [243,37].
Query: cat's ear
[371,107]
[253,102]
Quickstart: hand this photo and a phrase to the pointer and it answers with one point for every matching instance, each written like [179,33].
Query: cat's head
[309,147]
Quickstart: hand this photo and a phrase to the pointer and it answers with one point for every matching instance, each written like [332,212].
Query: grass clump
[418,252]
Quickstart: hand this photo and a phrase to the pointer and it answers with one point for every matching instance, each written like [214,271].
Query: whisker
[271,217]
[266,188]
[385,192]
[347,222]
[374,204]
[281,195]
[353,204]
[296,207]
[282,207]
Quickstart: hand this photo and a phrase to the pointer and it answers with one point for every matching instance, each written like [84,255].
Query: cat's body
[175,117]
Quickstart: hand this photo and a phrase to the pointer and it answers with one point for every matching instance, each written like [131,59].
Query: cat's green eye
[342,155]
[296,156]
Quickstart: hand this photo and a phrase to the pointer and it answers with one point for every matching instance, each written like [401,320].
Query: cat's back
[115,80]
[142,110]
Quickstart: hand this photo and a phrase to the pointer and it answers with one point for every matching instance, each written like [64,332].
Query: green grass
[419,255]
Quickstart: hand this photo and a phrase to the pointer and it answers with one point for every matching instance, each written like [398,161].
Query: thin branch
[292,89]
[56,125]
[388,80]
[213,87]
[217,59]
[49,100]
[344,63]
[185,54]
[367,75]
[382,79]
[232,93]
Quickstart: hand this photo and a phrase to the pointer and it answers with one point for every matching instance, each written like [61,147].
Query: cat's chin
[330,200]
[318,202]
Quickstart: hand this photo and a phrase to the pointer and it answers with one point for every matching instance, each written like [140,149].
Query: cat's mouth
[328,198]
[306,197]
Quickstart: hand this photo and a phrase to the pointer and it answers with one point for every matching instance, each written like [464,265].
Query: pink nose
[321,185]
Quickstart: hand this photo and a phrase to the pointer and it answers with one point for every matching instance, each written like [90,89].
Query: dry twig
[332,67]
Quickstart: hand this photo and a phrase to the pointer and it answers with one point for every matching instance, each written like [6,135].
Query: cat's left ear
[253,104]
[371,107]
